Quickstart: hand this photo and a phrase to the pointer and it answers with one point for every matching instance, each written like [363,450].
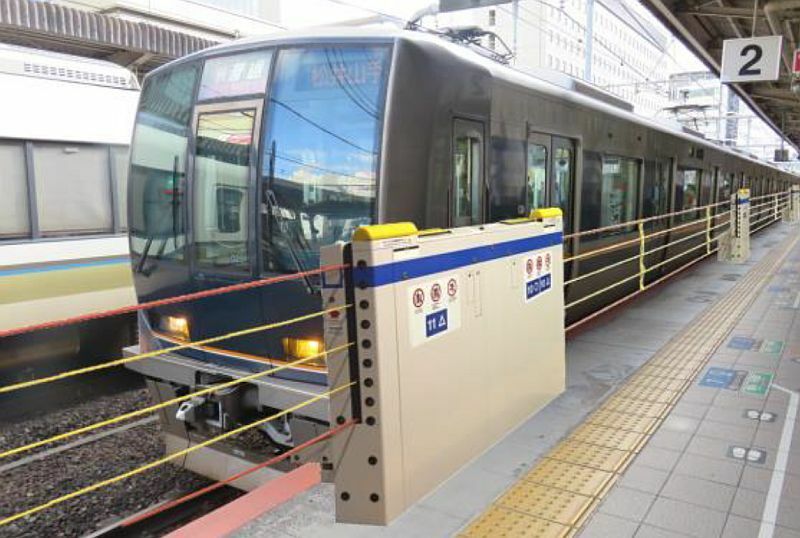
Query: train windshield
[321,147]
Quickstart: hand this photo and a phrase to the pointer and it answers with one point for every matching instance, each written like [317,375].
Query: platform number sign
[751,59]
[434,308]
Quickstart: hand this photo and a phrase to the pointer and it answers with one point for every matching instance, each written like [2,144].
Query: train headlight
[175,326]
[303,348]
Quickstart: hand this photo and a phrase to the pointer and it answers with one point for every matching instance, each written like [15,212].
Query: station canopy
[133,44]
[703,26]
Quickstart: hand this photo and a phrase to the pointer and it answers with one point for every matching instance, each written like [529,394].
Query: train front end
[245,161]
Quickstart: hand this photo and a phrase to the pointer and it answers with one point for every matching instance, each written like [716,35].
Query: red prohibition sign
[436,292]
[529,266]
[419,297]
[538,263]
[452,287]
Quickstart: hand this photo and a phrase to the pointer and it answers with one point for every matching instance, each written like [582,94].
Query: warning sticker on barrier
[537,275]
[434,308]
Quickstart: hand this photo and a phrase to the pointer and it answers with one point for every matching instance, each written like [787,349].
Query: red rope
[233,478]
[170,300]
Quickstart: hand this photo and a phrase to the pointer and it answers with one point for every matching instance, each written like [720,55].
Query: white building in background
[700,102]
[552,34]
[214,19]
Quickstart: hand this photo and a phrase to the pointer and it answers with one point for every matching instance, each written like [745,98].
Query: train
[250,156]
[64,141]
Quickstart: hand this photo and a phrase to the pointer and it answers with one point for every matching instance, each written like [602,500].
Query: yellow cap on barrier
[546,213]
[433,231]
[376,232]
[744,192]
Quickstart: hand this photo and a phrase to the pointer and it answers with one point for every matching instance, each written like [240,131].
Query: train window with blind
[620,180]
[706,188]
[14,213]
[656,189]
[687,191]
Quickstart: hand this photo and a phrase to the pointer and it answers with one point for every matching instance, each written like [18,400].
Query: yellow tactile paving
[597,457]
[621,404]
[545,502]
[569,477]
[555,497]
[594,434]
[623,421]
[504,523]
[658,382]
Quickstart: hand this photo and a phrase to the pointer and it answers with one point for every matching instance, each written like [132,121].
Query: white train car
[64,143]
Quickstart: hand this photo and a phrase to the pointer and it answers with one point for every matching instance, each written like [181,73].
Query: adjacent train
[249,157]
[64,139]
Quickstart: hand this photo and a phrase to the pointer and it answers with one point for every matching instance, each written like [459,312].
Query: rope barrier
[166,459]
[168,301]
[216,485]
[173,401]
[149,354]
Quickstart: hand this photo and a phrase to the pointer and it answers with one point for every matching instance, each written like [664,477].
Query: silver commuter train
[249,156]
[64,139]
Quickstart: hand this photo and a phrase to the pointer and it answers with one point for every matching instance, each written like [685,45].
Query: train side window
[687,191]
[656,190]
[222,173]
[705,189]
[619,190]
[536,176]
[563,173]
[467,189]
[14,212]
[724,186]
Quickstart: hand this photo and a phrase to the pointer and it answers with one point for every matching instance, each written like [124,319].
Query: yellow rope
[165,459]
[149,354]
[167,403]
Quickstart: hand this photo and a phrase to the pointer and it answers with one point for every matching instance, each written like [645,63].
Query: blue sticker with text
[537,285]
[741,342]
[436,323]
[718,378]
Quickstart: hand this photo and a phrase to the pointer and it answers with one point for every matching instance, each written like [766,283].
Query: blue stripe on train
[63,266]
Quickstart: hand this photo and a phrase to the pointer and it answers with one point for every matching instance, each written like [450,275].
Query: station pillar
[735,244]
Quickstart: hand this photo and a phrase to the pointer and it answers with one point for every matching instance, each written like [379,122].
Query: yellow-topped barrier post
[460,337]
[735,243]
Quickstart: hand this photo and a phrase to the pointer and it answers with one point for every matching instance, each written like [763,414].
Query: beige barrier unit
[791,212]
[460,337]
[735,245]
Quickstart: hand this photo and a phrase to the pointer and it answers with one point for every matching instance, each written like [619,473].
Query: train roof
[52,96]
[546,82]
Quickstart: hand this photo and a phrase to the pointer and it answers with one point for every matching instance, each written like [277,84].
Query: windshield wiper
[174,203]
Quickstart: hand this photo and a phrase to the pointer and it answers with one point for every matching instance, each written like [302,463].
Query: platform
[673,424]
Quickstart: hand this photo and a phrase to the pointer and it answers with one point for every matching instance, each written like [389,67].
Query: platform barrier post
[791,213]
[460,337]
[735,243]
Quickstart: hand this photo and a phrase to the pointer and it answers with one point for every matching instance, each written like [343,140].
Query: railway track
[35,477]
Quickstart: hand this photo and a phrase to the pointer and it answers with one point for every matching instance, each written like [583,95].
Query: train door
[562,178]
[538,170]
[467,188]
[222,194]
